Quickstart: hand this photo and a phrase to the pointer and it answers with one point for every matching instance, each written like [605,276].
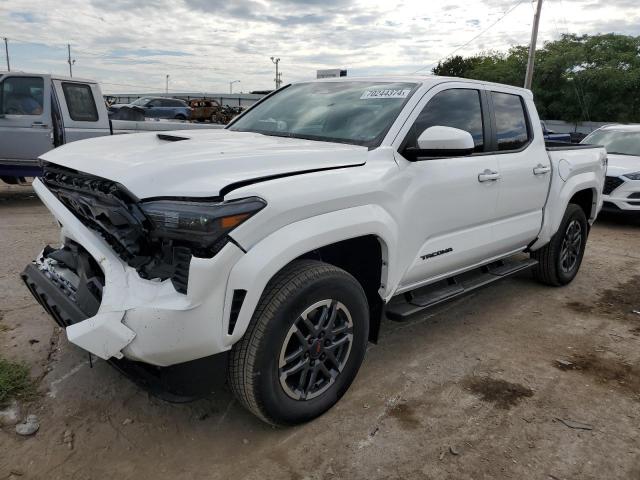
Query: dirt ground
[516,381]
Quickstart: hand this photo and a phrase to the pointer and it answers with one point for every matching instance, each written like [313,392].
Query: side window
[512,129]
[22,96]
[79,98]
[155,103]
[457,108]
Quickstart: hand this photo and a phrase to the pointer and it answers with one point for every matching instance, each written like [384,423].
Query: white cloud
[203,44]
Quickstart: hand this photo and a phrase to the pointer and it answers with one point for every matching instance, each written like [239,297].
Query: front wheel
[560,260]
[304,344]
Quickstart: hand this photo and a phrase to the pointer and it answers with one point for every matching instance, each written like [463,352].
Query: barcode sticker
[385,93]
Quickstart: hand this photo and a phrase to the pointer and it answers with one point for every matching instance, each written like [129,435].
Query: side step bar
[402,307]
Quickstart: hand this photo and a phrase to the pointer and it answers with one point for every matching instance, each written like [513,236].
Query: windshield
[625,143]
[141,101]
[348,112]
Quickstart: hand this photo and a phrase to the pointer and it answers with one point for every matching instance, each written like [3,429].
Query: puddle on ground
[618,302]
[605,370]
[501,393]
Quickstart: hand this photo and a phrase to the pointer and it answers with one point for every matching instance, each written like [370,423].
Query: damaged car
[269,252]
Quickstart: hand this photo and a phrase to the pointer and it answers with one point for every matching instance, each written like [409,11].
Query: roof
[52,76]
[619,127]
[424,80]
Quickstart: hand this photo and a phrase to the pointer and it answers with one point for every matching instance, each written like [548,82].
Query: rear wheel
[304,344]
[560,260]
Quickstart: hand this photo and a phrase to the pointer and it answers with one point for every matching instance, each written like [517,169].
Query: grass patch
[15,382]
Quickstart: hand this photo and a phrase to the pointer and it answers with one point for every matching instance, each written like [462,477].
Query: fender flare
[559,201]
[254,270]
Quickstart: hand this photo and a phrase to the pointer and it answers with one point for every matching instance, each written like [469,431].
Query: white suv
[622,186]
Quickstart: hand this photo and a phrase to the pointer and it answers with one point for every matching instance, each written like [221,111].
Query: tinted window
[155,103]
[176,103]
[80,102]
[457,108]
[511,121]
[22,96]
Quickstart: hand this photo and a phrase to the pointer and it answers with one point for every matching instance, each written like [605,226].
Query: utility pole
[6,50]
[69,61]
[276,61]
[528,78]
[231,86]
[166,88]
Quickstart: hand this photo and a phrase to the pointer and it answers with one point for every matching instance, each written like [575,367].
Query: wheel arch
[333,238]
[582,189]
[585,199]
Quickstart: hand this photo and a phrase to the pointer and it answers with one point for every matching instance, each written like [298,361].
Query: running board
[403,306]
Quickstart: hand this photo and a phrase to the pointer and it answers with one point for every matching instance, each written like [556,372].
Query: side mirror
[441,141]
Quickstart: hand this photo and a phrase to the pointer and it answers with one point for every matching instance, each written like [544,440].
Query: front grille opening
[236,305]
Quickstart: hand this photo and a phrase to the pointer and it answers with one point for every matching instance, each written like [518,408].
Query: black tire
[554,268]
[255,370]
[180,117]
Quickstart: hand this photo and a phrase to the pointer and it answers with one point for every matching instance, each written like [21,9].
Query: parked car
[159,107]
[39,112]
[203,109]
[552,136]
[276,245]
[622,186]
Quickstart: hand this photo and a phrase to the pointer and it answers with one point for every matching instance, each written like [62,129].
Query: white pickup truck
[39,112]
[279,243]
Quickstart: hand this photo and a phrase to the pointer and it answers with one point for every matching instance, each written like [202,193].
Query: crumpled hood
[203,163]
[621,164]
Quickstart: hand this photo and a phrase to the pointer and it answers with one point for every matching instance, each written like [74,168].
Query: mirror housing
[439,141]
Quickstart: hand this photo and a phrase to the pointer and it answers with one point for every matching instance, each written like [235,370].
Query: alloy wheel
[571,246]
[315,350]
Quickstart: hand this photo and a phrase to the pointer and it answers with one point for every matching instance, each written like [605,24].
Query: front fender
[254,270]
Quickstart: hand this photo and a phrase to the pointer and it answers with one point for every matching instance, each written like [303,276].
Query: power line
[476,37]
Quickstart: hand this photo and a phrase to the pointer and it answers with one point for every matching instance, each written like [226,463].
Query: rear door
[450,203]
[524,167]
[82,117]
[25,117]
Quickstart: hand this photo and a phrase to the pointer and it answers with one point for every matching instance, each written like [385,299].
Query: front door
[451,202]
[25,117]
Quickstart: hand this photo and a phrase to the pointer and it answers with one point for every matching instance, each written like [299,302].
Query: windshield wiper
[622,153]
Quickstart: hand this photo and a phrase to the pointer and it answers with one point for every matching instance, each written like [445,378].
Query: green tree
[577,78]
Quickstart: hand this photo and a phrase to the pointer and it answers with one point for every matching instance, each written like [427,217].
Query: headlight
[632,176]
[198,224]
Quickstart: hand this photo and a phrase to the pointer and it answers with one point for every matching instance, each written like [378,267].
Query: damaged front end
[67,282]
[157,237]
[109,209]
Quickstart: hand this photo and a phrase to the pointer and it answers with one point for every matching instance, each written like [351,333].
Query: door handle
[541,169]
[488,176]
[38,125]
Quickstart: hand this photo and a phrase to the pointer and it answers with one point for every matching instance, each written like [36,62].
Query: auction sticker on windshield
[386,93]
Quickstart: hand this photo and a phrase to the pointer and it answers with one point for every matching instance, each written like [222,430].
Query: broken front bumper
[139,319]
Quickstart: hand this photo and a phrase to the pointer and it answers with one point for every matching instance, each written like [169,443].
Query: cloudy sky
[130,45]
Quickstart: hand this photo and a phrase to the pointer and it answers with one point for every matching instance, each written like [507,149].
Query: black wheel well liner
[585,199]
[362,258]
